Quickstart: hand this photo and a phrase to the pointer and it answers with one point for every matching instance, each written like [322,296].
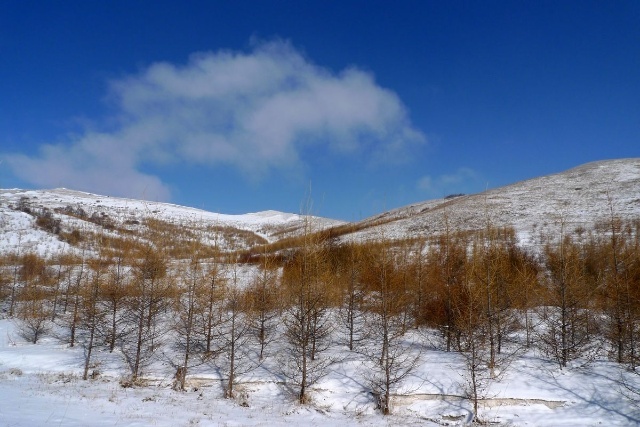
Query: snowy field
[41,385]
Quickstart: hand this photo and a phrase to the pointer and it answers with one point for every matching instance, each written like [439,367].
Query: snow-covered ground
[18,233]
[41,385]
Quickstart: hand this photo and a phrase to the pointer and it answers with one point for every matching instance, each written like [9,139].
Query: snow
[579,197]
[19,227]
[41,385]
[19,231]
[62,197]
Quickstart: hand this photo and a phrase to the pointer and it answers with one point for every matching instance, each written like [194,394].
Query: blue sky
[244,106]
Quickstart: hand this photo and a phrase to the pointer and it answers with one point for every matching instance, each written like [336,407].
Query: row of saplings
[482,294]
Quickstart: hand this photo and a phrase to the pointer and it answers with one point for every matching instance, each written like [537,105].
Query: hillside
[88,212]
[579,197]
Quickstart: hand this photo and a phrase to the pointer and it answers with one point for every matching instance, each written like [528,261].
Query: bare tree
[264,303]
[525,272]
[92,316]
[419,273]
[115,288]
[484,364]
[446,262]
[148,298]
[234,332]
[73,272]
[211,297]
[392,356]
[566,320]
[62,270]
[306,321]
[32,307]
[617,257]
[5,282]
[353,293]
[480,368]
[14,261]
[188,307]
[491,271]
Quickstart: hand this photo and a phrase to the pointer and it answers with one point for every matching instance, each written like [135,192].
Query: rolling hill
[578,198]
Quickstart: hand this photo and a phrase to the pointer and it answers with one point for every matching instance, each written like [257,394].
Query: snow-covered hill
[77,209]
[579,197]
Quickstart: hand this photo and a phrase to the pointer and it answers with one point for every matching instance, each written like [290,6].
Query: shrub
[46,221]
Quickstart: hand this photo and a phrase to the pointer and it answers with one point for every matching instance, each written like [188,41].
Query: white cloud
[255,111]
[95,163]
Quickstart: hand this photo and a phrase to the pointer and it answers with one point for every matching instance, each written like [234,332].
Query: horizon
[363,107]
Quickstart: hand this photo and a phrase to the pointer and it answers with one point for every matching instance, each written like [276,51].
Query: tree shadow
[592,398]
